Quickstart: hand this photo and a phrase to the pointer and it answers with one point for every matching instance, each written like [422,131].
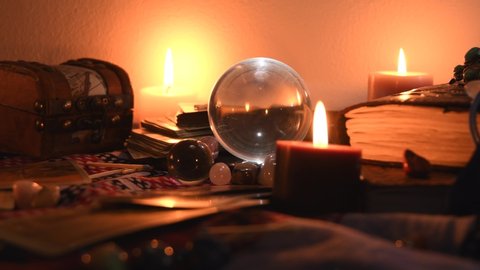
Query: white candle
[158,101]
[153,102]
[384,83]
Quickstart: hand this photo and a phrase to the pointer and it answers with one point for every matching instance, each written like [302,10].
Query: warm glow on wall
[168,72]
[192,56]
[333,45]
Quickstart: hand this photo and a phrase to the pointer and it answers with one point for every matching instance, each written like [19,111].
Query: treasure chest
[79,106]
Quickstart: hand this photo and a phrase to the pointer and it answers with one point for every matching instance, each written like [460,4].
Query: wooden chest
[79,106]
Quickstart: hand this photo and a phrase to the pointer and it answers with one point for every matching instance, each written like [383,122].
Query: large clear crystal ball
[257,102]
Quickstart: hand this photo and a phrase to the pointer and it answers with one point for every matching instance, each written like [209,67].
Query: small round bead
[220,174]
[458,69]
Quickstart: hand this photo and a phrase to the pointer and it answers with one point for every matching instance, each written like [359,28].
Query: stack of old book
[158,135]
[431,121]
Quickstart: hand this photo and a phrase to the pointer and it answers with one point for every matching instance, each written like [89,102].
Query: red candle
[384,83]
[317,177]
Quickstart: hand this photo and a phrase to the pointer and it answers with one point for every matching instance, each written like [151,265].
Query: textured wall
[332,44]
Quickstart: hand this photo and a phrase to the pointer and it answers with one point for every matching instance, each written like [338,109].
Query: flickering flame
[247,107]
[168,73]
[402,63]
[320,128]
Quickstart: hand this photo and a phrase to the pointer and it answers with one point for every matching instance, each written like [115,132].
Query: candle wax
[320,179]
[152,102]
[384,83]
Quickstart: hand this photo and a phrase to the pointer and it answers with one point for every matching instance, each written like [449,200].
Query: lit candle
[158,101]
[384,83]
[317,177]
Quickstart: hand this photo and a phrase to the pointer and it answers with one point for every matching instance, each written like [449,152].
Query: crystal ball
[257,102]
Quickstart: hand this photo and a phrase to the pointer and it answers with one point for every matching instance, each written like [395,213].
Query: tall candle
[317,177]
[384,83]
[158,101]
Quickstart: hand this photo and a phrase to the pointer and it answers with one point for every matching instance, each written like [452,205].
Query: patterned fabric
[84,194]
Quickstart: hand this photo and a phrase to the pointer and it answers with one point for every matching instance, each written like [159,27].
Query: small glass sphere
[255,103]
[220,174]
[190,161]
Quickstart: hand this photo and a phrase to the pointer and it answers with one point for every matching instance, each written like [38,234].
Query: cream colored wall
[332,44]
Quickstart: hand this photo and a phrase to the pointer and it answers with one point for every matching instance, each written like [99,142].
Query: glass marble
[189,161]
[245,173]
[257,102]
[220,174]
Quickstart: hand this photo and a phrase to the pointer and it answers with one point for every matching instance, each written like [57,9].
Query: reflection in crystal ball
[255,103]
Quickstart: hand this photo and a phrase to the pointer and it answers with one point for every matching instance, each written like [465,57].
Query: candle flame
[168,72]
[247,107]
[320,128]
[402,63]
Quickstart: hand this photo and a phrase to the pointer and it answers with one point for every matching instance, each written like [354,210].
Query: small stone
[212,144]
[415,165]
[190,161]
[220,174]
[245,173]
[266,176]
[24,192]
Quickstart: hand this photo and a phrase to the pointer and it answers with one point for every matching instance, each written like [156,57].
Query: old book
[158,135]
[143,143]
[431,121]
[192,116]
[169,127]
